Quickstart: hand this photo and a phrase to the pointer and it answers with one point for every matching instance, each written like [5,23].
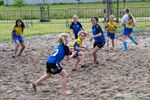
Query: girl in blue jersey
[98,36]
[75,26]
[128,22]
[17,37]
[53,63]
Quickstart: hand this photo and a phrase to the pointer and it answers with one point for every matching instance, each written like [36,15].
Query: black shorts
[99,44]
[76,36]
[53,68]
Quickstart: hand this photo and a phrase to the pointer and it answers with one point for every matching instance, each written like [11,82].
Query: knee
[66,77]
[17,44]
[78,59]
[107,39]
[82,53]
[93,52]
[48,75]
[23,46]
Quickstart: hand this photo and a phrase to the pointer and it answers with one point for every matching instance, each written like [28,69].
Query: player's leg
[77,63]
[95,50]
[64,76]
[22,48]
[42,78]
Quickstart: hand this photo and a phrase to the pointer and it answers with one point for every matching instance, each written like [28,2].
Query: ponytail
[130,16]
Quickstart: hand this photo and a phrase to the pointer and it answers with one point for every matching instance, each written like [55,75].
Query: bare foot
[13,55]
[74,69]
[34,87]
[82,66]
[96,62]
[64,93]
[19,55]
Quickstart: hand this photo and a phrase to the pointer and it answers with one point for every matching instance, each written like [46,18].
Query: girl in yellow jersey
[17,37]
[128,22]
[111,27]
[78,49]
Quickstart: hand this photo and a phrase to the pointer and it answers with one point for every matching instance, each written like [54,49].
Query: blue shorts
[76,54]
[127,31]
[18,38]
[111,35]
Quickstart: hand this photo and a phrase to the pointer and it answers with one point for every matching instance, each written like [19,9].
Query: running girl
[78,50]
[53,64]
[110,28]
[128,22]
[17,37]
[75,27]
[99,38]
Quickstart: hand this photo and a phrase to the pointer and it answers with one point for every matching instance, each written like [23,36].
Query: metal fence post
[31,18]
[66,20]
[42,14]
[48,11]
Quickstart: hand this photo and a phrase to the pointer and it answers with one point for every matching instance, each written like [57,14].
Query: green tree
[19,2]
[124,1]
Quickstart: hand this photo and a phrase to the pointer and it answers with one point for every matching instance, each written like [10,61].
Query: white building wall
[34,2]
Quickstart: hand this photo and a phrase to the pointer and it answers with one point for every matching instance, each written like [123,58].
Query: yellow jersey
[18,30]
[76,43]
[111,27]
[129,25]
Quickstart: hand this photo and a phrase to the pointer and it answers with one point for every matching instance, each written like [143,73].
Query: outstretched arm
[95,36]
[12,34]
[71,33]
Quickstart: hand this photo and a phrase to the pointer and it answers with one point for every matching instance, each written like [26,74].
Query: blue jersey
[58,55]
[96,30]
[76,27]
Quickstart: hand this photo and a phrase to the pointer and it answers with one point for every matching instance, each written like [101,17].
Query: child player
[78,49]
[17,37]
[53,64]
[75,27]
[110,28]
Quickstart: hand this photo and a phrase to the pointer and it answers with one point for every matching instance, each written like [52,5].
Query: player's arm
[71,33]
[85,48]
[12,34]
[97,35]
[106,27]
[80,26]
[115,26]
[123,21]
[80,48]
[71,30]
[99,32]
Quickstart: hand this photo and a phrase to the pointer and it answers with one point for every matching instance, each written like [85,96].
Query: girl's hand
[87,49]
[68,58]
[71,37]
[22,36]
[91,38]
